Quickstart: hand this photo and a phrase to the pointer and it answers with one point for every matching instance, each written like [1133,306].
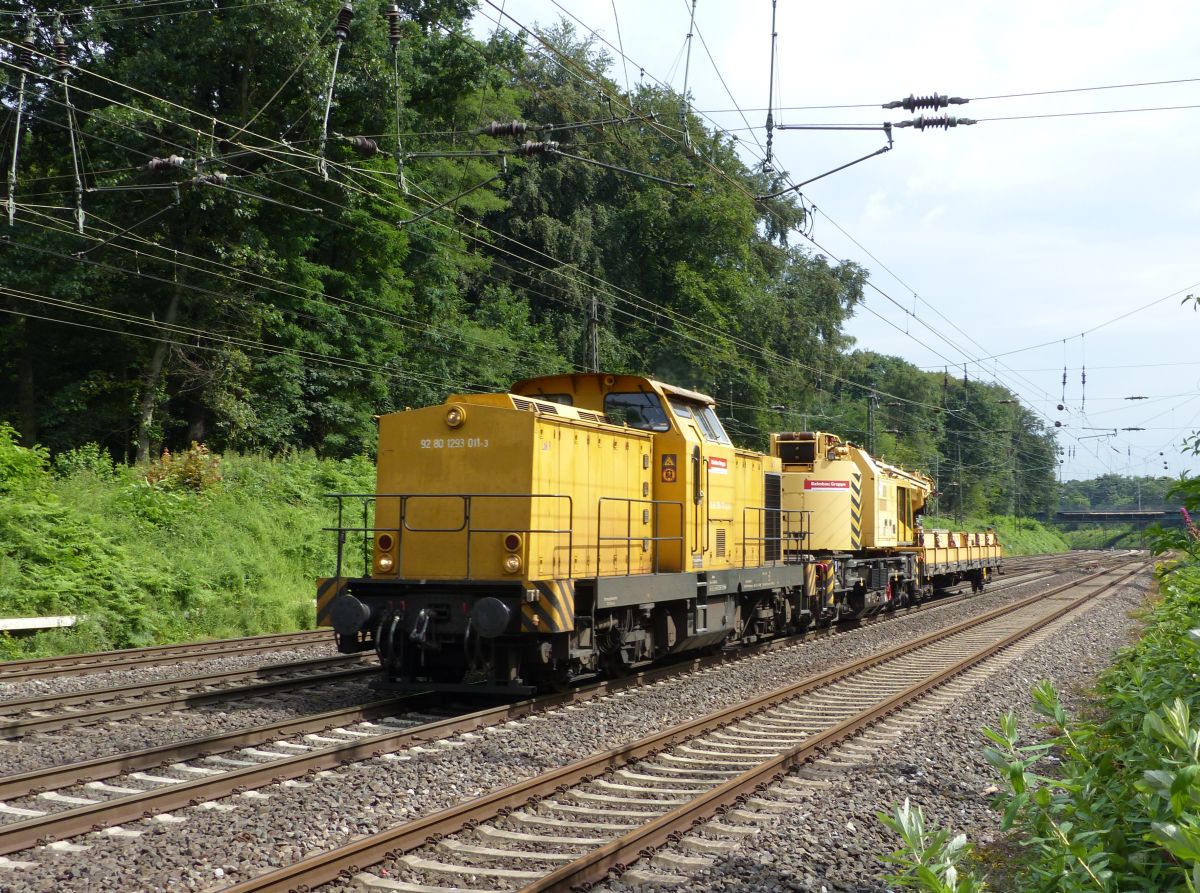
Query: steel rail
[155,655]
[107,712]
[16,836]
[330,864]
[596,864]
[38,780]
[138,689]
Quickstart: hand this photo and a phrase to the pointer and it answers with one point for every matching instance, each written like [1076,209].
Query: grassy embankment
[1110,536]
[1019,536]
[203,550]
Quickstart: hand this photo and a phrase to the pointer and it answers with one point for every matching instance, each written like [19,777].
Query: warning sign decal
[670,468]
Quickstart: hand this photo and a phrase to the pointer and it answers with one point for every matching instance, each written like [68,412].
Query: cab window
[563,399]
[713,429]
[683,410]
[637,409]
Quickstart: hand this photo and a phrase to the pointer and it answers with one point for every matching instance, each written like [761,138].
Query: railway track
[45,713]
[60,801]
[109,791]
[571,826]
[155,655]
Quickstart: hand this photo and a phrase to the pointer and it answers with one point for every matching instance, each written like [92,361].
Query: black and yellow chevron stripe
[328,588]
[856,511]
[827,578]
[554,611]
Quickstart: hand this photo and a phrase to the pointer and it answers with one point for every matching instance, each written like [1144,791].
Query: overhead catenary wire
[566,64]
[1025,95]
[724,334]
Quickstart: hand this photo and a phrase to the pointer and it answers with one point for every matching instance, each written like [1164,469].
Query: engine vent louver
[720,542]
[535,406]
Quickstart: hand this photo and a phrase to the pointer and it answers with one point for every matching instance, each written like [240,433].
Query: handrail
[786,534]
[629,538]
[466,527]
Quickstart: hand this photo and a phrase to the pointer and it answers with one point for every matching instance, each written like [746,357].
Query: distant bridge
[1137,517]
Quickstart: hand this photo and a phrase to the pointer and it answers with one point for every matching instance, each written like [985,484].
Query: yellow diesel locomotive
[588,523]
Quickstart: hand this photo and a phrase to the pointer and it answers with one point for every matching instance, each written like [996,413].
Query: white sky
[1018,232]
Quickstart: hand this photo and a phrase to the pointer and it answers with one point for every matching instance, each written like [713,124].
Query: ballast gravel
[76,743]
[212,848]
[60,685]
[831,842]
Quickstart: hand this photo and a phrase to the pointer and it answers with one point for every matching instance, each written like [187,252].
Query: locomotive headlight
[512,564]
[455,416]
[384,541]
[385,563]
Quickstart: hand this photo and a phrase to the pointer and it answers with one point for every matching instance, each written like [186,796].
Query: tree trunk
[26,402]
[150,383]
[197,422]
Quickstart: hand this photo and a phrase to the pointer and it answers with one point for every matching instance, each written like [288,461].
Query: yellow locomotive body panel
[537,493]
[854,501]
[704,501]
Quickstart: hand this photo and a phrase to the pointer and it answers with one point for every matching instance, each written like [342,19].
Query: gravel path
[211,847]
[830,840]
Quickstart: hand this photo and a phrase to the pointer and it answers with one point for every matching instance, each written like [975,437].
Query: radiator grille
[771,517]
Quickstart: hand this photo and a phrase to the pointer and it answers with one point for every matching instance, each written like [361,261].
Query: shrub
[20,468]
[195,469]
[90,458]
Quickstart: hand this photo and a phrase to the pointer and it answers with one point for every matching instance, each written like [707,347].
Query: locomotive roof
[670,389]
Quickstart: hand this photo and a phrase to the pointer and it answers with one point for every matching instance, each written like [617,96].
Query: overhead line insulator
[507,128]
[162,164]
[363,145]
[23,54]
[342,29]
[62,55]
[538,148]
[393,17]
[935,122]
[924,102]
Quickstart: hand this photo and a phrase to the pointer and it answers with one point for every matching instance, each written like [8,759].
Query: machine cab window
[637,409]
[706,419]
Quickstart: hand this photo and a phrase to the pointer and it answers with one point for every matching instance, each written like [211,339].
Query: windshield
[637,409]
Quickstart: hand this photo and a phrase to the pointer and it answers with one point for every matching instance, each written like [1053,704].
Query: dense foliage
[1115,491]
[245,301]
[170,552]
